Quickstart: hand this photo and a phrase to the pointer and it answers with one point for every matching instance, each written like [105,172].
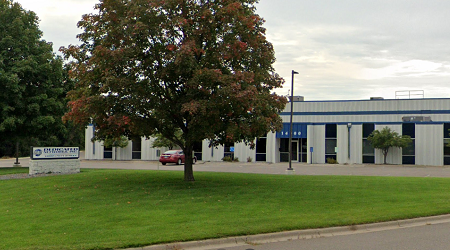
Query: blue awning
[299,130]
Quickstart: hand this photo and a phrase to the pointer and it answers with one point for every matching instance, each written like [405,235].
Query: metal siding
[370,105]
[316,139]
[146,149]
[416,106]
[217,152]
[242,152]
[206,151]
[89,146]
[123,154]
[271,148]
[298,130]
[429,144]
[356,144]
[148,152]
[342,144]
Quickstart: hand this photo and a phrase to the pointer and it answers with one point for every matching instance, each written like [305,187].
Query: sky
[342,50]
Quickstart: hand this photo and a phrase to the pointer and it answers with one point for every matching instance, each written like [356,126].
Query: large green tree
[387,139]
[32,96]
[200,66]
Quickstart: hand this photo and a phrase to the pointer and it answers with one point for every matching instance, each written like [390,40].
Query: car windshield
[171,152]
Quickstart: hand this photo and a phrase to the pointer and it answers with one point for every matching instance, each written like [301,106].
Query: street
[268,168]
[422,237]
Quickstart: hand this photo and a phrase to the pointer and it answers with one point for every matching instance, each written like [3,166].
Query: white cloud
[411,68]
[343,49]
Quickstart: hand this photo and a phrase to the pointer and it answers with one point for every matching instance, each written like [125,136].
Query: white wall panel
[272,148]
[243,151]
[316,139]
[212,153]
[356,144]
[149,153]
[206,151]
[123,154]
[342,144]
[429,144]
[92,150]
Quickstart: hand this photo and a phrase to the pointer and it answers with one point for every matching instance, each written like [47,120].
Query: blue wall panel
[298,130]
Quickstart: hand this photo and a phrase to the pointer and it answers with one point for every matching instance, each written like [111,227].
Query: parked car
[174,156]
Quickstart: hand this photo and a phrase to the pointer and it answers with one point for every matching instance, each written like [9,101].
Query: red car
[174,156]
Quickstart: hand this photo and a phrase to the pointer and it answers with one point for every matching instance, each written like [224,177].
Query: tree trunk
[385,153]
[188,163]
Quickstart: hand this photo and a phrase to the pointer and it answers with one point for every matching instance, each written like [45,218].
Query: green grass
[15,170]
[105,209]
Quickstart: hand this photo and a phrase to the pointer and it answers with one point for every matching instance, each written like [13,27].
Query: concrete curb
[298,234]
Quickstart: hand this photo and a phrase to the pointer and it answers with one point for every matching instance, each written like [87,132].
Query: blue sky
[347,49]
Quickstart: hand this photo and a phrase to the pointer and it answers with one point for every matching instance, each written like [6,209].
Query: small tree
[386,139]
[163,142]
[119,142]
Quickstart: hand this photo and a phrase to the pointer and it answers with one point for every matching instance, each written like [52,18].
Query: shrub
[332,161]
[227,158]
[230,159]
[249,159]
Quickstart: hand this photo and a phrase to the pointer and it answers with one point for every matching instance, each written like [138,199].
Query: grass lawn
[105,209]
[15,170]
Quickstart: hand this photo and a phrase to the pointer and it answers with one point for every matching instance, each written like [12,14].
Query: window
[368,154]
[409,153]
[331,131]
[330,146]
[136,148]
[229,150]
[303,154]
[446,143]
[198,147]
[409,129]
[261,145]
[107,153]
[330,141]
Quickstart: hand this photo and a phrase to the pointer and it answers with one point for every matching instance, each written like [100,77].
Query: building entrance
[299,150]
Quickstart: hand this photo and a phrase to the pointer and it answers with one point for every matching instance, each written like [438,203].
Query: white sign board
[47,153]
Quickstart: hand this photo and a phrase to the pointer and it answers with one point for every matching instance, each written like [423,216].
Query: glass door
[294,151]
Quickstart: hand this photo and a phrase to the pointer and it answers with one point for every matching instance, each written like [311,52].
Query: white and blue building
[327,129]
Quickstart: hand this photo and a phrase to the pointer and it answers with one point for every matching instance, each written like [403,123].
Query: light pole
[290,126]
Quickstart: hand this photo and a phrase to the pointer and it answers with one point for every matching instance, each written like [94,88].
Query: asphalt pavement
[268,168]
